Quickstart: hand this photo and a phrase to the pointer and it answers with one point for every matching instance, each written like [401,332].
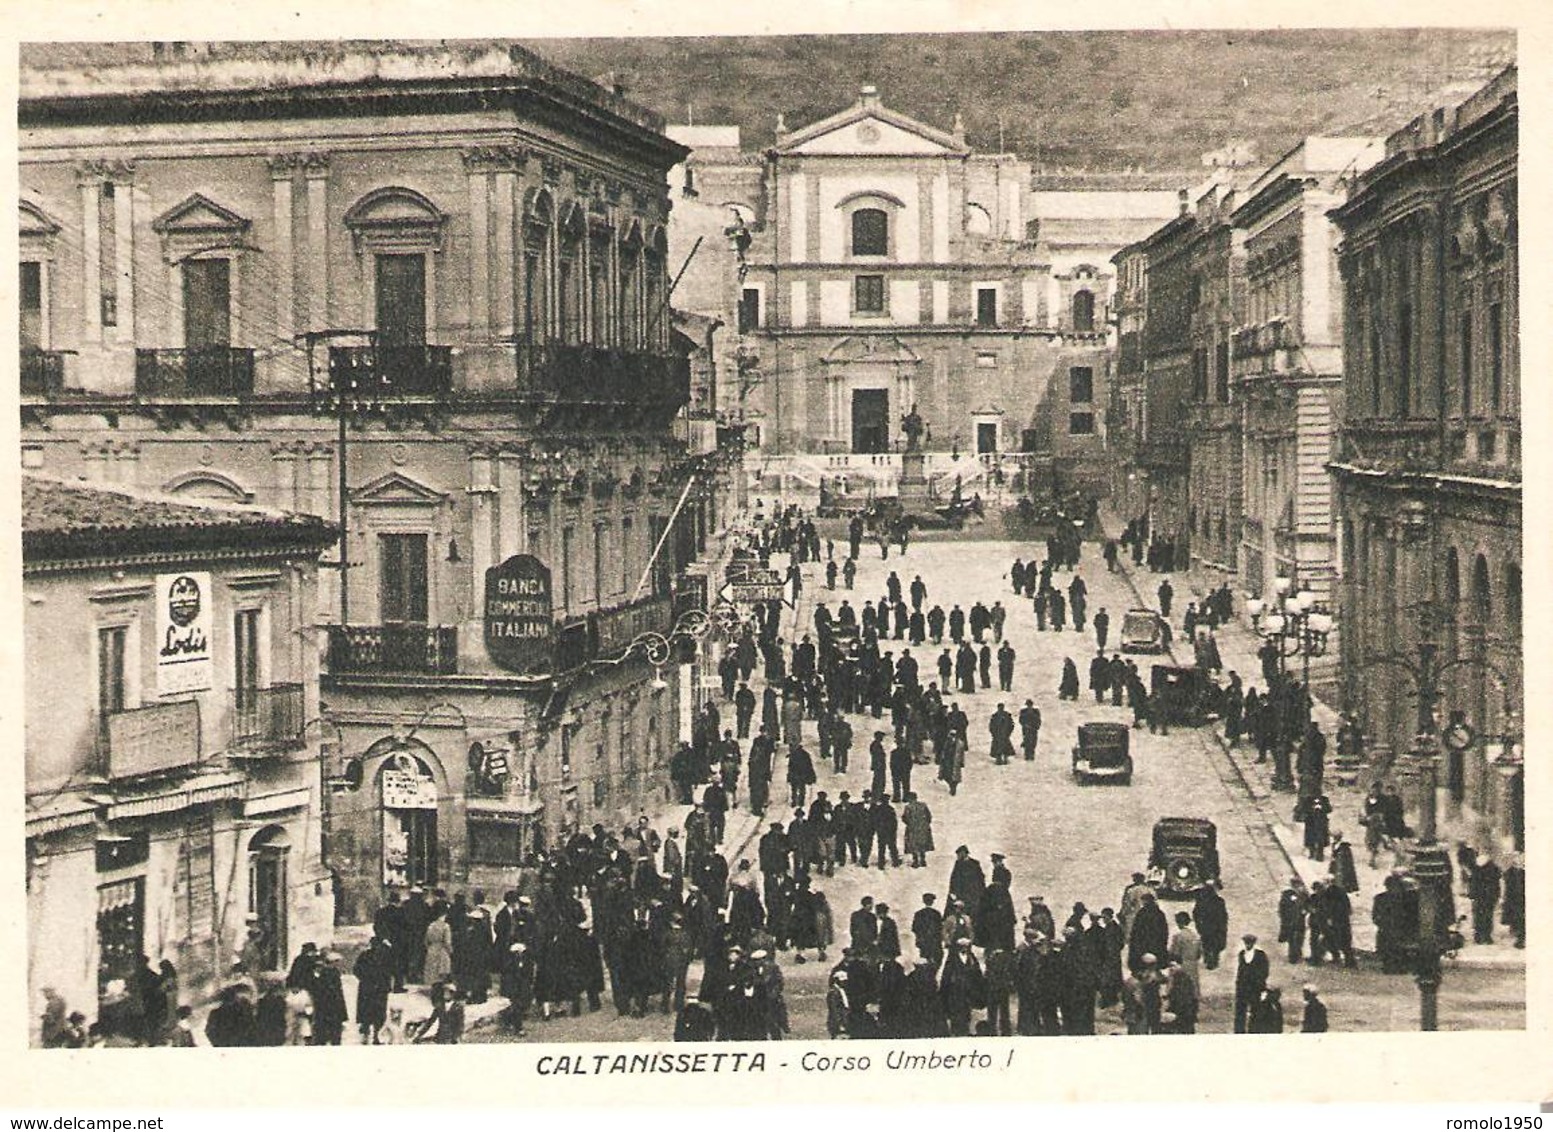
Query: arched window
[1084,311]
[870,232]
[1482,600]
[1452,577]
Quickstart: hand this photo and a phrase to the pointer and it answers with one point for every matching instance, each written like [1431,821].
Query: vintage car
[1143,630]
[1184,856]
[1101,754]
[1189,697]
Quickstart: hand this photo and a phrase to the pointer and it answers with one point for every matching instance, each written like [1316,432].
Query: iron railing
[204,371]
[268,717]
[393,649]
[391,371]
[43,372]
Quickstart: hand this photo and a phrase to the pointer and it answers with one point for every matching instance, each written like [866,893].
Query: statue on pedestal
[913,426]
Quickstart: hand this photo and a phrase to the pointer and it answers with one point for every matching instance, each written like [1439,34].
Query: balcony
[43,372]
[269,719]
[393,650]
[391,372]
[153,740]
[1400,446]
[592,375]
[205,371]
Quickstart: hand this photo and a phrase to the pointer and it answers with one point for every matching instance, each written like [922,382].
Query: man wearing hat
[961,987]
[1315,1017]
[966,880]
[329,1014]
[1251,969]
[927,931]
[1000,873]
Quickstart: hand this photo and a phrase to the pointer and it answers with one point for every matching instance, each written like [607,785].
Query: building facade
[174,747]
[1287,364]
[427,300]
[1429,465]
[1163,458]
[879,264]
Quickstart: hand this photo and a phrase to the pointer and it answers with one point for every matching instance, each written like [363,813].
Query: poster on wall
[183,633]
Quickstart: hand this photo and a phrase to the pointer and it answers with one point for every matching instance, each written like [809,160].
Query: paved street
[1069,842]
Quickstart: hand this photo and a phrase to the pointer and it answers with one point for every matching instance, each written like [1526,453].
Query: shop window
[121,925]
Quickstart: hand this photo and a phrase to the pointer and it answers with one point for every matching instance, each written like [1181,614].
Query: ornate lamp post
[1291,624]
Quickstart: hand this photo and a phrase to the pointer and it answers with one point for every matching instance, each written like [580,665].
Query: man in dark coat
[961,988]
[1512,910]
[1315,1017]
[1029,729]
[863,928]
[744,709]
[1001,728]
[1150,933]
[374,982]
[927,930]
[388,925]
[1483,886]
[231,1023]
[886,825]
[800,773]
[888,943]
[1291,919]
[1006,667]
[966,880]
[900,772]
[1251,969]
[995,919]
[1212,919]
[328,994]
[1102,623]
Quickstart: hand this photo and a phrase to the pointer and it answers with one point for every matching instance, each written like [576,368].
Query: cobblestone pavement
[1069,842]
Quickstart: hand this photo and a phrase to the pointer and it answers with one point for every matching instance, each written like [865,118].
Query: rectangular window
[245,657]
[627,583]
[111,644]
[868,294]
[401,300]
[1221,372]
[402,579]
[1081,385]
[870,232]
[598,299]
[749,310]
[1496,356]
[533,299]
[986,306]
[600,543]
[1405,361]
[662,570]
[1466,364]
[566,567]
[31,287]
[566,306]
[207,303]
[1081,424]
[108,253]
[1374,372]
[1199,375]
[986,361]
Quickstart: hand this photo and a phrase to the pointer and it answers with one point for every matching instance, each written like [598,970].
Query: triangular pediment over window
[198,224]
[396,488]
[870,132]
[36,230]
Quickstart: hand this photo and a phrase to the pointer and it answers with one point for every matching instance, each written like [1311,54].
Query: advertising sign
[183,632]
[408,789]
[518,613]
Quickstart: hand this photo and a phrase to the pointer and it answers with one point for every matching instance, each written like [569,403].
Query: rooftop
[63,519]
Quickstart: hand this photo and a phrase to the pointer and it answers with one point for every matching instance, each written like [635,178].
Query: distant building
[1287,364]
[1428,469]
[884,265]
[174,748]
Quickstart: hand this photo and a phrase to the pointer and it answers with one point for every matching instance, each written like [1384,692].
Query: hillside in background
[1067,100]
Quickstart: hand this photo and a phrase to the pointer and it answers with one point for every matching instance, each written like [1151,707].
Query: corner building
[174,751]
[420,291]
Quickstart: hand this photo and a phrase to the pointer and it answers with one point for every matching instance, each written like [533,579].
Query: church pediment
[871,349]
[395,488]
[871,131]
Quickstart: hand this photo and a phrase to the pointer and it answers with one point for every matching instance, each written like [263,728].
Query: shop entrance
[267,886]
[409,794]
[121,930]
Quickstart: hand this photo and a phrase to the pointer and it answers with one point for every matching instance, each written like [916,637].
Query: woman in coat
[952,767]
[439,951]
[1267,1013]
[374,980]
[918,820]
[1067,689]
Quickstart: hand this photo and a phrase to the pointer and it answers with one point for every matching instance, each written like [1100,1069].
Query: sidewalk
[1238,651]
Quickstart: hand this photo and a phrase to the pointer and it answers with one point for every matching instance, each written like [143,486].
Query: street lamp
[1291,624]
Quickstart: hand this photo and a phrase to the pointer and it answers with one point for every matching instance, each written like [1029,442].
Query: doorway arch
[269,887]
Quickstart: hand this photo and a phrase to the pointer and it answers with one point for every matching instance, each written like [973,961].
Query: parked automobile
[1144,631]
[1184,856]
[1102,753]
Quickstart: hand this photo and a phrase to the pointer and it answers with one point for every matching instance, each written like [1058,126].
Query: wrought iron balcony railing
[43,372]
[391,372]
[430,650]
[595,375]
[204,371]
[268,718]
